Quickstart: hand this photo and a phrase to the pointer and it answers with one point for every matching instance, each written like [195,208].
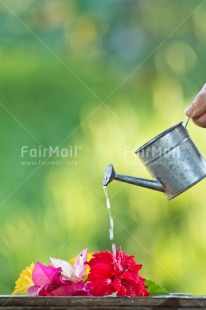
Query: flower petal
[66,267]
[33,290]
[101,287]
[125,262]
[70,289]
[24,281]
[116,273]
[42,274]
[79,266]
[128,285]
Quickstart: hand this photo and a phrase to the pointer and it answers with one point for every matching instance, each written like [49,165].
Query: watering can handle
[186,123]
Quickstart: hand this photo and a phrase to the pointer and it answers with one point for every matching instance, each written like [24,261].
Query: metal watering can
[171,158]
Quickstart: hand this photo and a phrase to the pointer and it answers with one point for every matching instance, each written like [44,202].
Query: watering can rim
[158,137]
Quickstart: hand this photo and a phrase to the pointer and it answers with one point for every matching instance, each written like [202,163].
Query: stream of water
[111,221]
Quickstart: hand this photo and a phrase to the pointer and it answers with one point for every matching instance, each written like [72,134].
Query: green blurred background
[101,78]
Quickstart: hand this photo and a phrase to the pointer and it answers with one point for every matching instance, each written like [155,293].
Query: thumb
[198,106]
[189,110]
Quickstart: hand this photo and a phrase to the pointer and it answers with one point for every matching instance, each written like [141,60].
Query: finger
[192,107]
[200,120]
[198,106]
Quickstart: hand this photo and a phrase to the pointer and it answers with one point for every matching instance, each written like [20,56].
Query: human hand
[197,109]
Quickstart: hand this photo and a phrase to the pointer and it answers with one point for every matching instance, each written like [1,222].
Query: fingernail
[188,111]
[204,87]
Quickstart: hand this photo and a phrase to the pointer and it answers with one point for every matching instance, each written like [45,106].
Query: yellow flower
[24,281]
[89,256]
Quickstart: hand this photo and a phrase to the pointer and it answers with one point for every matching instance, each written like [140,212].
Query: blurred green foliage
[104,76]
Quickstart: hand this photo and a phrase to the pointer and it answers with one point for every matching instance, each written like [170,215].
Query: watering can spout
[111,175]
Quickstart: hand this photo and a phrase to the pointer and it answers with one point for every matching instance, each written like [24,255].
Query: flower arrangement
[96,274]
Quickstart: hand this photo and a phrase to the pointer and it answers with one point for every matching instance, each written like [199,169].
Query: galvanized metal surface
[171,158]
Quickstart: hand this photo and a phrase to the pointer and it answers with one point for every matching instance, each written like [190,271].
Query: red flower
[116,273]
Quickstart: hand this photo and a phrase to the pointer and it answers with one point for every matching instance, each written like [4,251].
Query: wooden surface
[85,303]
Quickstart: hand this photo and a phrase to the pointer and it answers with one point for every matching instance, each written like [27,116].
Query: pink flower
[48,281]
[115,273]
[74,272]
